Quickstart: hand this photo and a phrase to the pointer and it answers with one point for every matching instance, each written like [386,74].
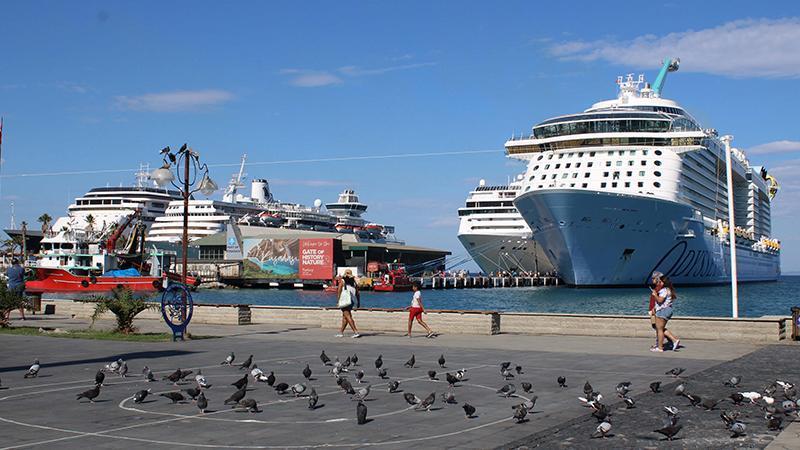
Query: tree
[9,301]
[90,223]
[11,245]
[124,305]
[45,220]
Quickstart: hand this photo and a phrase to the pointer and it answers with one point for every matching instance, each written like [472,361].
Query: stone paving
[43,412]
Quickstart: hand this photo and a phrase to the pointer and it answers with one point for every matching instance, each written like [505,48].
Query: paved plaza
[43,412]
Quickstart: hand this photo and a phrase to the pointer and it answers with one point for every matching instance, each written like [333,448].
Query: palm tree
[90,223]
[45,220]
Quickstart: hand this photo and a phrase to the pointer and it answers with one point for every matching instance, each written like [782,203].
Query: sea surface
[755,299]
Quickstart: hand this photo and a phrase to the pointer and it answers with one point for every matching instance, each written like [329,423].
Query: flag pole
[731,225]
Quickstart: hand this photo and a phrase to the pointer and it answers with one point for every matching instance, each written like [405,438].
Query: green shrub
[124,305]
[9,301]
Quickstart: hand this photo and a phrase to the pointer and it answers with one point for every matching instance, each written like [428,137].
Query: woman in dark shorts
[664,296]
[348,285]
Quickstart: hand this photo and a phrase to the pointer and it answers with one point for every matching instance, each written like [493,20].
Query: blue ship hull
[608,239]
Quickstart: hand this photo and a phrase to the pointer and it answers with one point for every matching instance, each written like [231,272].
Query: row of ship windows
[591,164]
[644,152]
[114,202]
[614,175]
[602,142]
[614,184]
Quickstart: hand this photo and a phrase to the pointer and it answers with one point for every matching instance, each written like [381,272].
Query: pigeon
[271,379]
[451,380]
[789,390]
[737,398]
[379,362]
[255,372]
[184,373]
[432,375]
[361,413]
[411,399]
[347,387]
[728,418]
[773,422]
[519,413]
[202,403]
[526,387]
[788,406]
[518,369]
[449,397]
[313,398]
[669,431]
[113,366]
[629,402]
[174,396]
[249,404]
[680,389]
[360,376]
[382,373]
[192,392]
[737,429]
[562,382]
[148,374]
[507,375]
[281,388]
[529,404]
[709,403]
[174,377]
[99,377]
[623,388]
[307,372]
[247,363]
[347,362]
[733,381]
[469,410]
[410,363]
[123,370]
[675,372]
[507,390]
[33,371]
[441,362]
[770,389]
[672,413]
[228,360]
[600,412]
[393,385]
[587,389]
[460,374]
[236,396]
[362,393]
[141,395]
[695,400]
[324,358]
[241,382]
[428,402]
[201,381]
[655,387]
[505,365]
[602,430]
[91,394]
[752,396]
[354,359]
[298,389]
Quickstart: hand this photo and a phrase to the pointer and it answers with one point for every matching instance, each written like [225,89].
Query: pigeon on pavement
[281,388]
[362,393]
[733,381]
[379,362]
[410,363]
[148,374]
[602,430]
[449,397]
[241,382]
[451,380]
[360,376]
[655,387]
[518,369]
[141,395]
[526,387]
[249,404]
[202,403]
[393,385]
[507,390]
[432,375]
[469,410]
[411,399]
[33,371]
[669,431]
[228,360]
[441,362]
[192,392]
[236,396]
[354,359]
[313,398]
[382,373]
[174,396]
[361,413]
[298,389]
[99,377]
[519,413]
[562,382]
[91,394]
[247,363]
[307,372]
[324,358]
[623,388]
[201,381]
[675,372]
[427,402]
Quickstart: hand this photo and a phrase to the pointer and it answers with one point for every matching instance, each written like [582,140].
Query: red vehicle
[391,278]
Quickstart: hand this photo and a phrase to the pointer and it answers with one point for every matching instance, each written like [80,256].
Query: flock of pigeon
[778,401]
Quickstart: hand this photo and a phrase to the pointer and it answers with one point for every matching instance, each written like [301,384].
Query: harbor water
[755,299]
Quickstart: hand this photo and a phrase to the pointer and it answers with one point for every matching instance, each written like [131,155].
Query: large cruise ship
[635,185]
[494,233]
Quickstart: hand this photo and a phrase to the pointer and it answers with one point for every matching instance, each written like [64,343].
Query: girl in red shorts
[415,311]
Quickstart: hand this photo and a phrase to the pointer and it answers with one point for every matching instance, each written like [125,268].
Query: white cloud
[444,222]
[319,78]
[742,48]
[174,100]
[783,146]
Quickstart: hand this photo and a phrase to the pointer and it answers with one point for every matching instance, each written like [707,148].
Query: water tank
[259,190]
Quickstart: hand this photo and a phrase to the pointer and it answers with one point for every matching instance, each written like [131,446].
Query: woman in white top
[664,294]
[415,311]
[352,297]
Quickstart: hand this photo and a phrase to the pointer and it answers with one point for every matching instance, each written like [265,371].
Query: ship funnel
[259,191]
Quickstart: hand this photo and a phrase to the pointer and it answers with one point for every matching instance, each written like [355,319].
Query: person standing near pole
[16,281]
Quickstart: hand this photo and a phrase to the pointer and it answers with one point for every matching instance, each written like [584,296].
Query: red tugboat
[70,262]
[390,277]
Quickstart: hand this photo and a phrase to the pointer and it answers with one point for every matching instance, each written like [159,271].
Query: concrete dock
[43,412]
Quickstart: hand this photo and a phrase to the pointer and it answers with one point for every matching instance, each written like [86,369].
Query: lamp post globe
[162,176]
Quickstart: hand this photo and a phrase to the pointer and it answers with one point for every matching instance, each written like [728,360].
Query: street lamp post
[189,159]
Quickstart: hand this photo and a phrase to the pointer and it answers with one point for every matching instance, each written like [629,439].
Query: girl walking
[664,294]
[415,311]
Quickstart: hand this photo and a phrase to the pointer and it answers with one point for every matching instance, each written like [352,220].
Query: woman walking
[664,294]
[347,296]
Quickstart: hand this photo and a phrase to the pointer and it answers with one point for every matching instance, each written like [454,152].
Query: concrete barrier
[758,330]
[762,330]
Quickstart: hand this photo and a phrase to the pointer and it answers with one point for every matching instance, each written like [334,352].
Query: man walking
[16,281]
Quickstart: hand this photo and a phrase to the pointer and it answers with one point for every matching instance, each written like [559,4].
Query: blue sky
[105,85]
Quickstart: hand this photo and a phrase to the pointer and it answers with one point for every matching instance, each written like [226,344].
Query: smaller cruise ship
[494,233]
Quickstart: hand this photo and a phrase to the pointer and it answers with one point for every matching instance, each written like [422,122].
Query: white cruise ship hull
[609,239]
[493,253]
